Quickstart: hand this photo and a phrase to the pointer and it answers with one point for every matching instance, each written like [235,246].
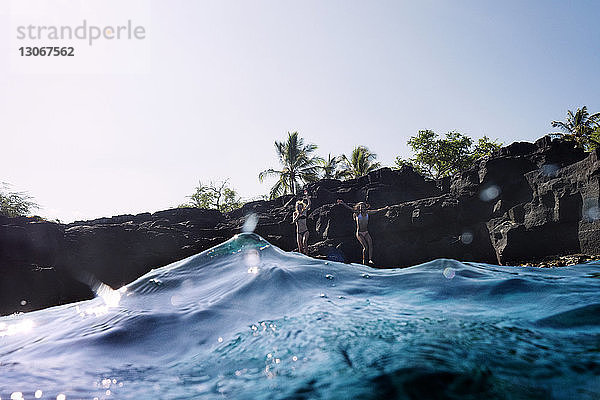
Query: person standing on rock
[361,216]
[300,216]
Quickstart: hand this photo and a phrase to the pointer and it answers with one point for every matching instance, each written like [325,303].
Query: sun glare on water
[20,327]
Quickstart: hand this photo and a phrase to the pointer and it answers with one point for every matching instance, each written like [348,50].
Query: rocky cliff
[528,201]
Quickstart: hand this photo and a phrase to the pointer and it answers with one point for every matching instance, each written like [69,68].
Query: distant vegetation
[434,157]
[214,196]
[15,204]
[581,127]
[437,157]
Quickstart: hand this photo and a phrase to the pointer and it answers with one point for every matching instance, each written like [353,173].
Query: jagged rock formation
[527,202]
[558,211]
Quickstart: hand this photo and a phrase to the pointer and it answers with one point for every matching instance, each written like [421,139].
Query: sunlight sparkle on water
[111,299]
[252,261]
[16,328]
[177,300]
[449,273]
[110,296]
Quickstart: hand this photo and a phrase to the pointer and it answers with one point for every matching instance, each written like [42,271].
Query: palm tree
[299,165]
[329,168]
[580,127]
[595,137]
[361,162]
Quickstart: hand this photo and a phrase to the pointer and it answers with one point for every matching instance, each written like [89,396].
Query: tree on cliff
[215,196]
[360,163]
[299,164]
[15,204]
[437,157]
[330,168]
[580,127]
[595,138]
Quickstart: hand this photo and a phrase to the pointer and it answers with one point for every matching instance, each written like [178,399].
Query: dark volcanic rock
[29,287]
[29,278]
[562,217]
[528,201]
[30,240]
[120,249]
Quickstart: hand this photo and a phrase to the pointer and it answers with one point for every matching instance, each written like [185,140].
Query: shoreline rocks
[529,202]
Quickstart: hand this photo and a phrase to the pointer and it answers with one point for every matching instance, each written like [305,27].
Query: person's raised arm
[290,201]
[306,200]
[378,210]
[340,201]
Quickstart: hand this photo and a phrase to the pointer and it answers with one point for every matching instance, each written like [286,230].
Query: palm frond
[277,190]
[266,173]
[561,125]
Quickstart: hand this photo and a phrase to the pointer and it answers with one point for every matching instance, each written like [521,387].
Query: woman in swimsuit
[361,216]
[300,215]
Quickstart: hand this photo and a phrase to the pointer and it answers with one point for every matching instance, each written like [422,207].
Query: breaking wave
[246,320]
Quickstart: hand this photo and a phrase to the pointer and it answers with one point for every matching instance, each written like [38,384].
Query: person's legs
[305,242]
[361,239]
[299,240]
[367,237]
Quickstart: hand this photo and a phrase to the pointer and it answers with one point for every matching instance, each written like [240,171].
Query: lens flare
[549,170]
[250,223]
[466,237]
[592,213]
[489,193]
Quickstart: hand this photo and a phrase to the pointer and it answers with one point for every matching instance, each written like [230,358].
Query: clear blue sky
[132,127]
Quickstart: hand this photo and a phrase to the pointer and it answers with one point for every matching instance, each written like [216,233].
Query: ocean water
[246,320]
